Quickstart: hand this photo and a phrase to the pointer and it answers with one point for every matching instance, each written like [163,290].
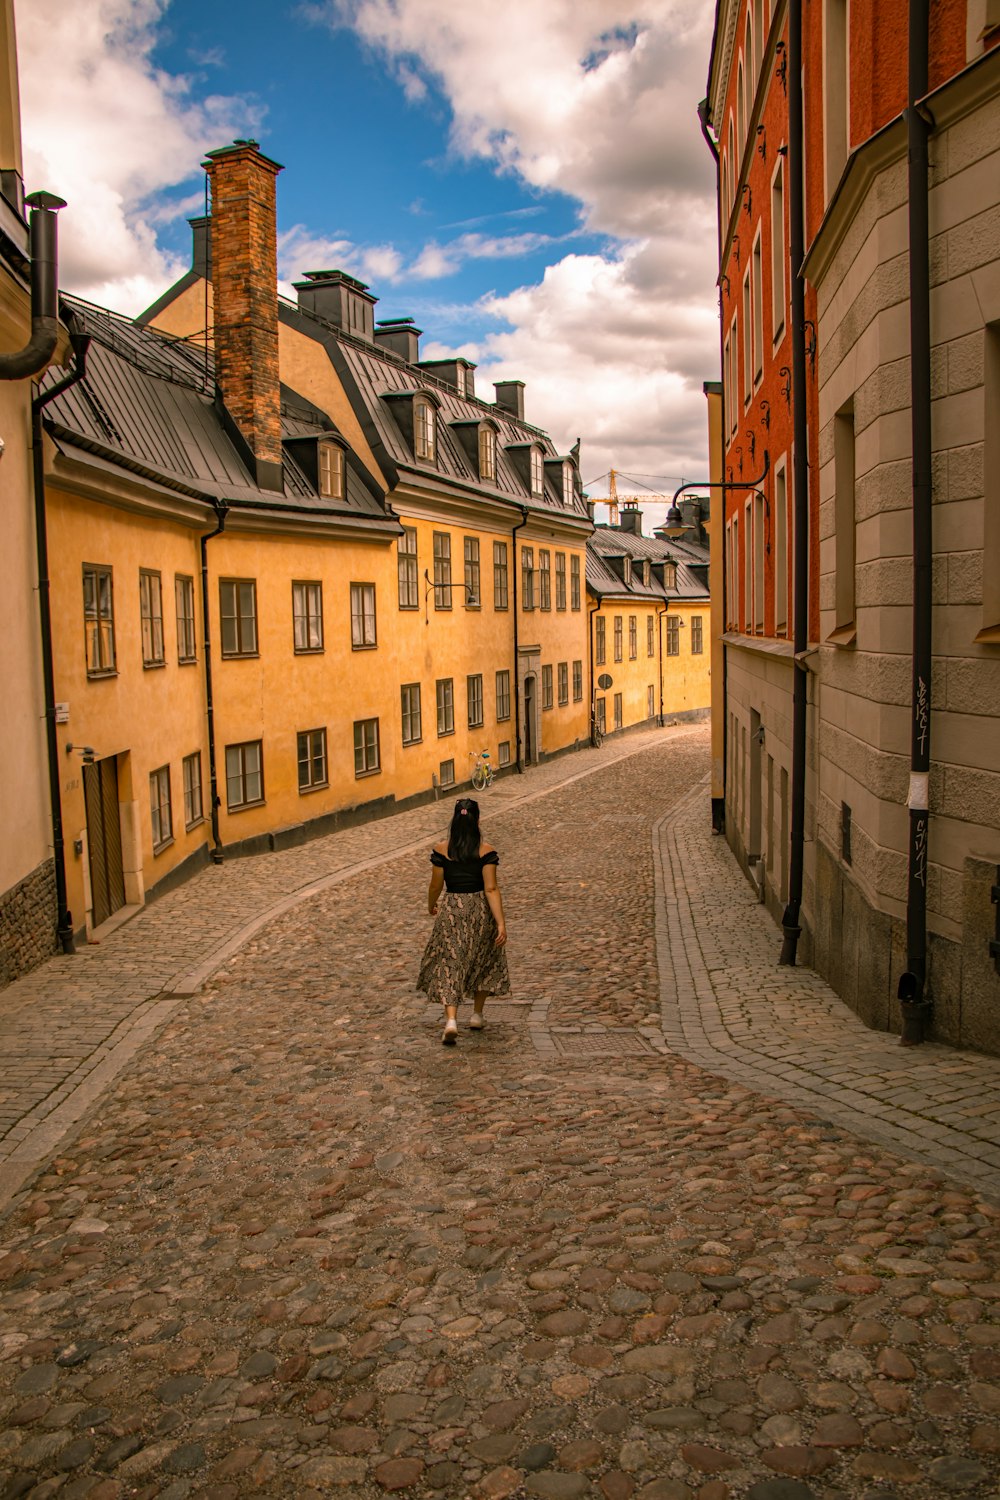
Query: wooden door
[104,838]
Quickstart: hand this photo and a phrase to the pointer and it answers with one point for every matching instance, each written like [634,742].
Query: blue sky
[528,181]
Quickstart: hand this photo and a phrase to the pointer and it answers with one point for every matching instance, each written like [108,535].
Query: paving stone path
[299,1249]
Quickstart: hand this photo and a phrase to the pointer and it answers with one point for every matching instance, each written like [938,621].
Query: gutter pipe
[591,614]
[221,511]
[660,612]
[515,581]
[64,917]
[790,922]
[914,1003]
[38,351]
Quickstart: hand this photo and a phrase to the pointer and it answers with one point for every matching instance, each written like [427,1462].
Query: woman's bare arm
[496,904]
[434,889]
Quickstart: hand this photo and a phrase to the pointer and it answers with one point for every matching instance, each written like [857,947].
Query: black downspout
[591,613]
[64,917]
[800,480]
[221,510]
[659,642]
[33,358]
[911,992]
[515,582]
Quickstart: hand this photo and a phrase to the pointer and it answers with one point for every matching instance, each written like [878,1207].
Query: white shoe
[450,1034]
[476,1022]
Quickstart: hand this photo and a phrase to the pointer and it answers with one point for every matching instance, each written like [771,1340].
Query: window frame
[560,581]
[502,692]
[189,633]
[527,578]
[544,578]
[501,576]
[362,749]
[650,635]
[309,736]
[537,473]
[618,638]
[779,276]
[473,579]
[242,778]
[673,641]
[487,449]
[441,546]
[151,618]
[562,684]
[444,697]
[158,780]
[633,637]
[424,431]
[568,485]
[407,575]
[236,584]
[410,710]
[547,694]
[474,700]
[578,680]
[93,623]
[619,711]
[302,592]
[574,582]
[697,635]
[192,819]
[600,640]
[330,475]
[364,622]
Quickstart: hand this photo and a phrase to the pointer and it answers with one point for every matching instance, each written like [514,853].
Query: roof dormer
[339,299]
[416,414]
[478,438]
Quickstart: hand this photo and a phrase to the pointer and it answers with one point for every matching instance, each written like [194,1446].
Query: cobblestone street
[674,1225]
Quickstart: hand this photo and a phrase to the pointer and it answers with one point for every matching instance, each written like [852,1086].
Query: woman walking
[465,954]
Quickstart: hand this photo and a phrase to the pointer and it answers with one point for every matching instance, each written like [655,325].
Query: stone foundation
[28,923]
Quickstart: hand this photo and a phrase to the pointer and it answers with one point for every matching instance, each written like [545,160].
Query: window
[627,569]
[647,573]
[547,687]
[474,694]
[500,575]
[618,711]
[601,645]
[836,90]
[544,578]
[503,753]
[990,632]
[650,635]
[780,550]
[331,471]
[650,702]
[747,339]
[445,689]
[487,453]
[366,749]
[159,801]
[563,680]
[187,649]
[568,487]
[673,636]
[670,574]
[410,701]
[758,563]
[244,775]
[473,594]
[312,759]
[194,810]
[633,638]
[560,580]
[503,695]
[362,616]
[574,583]
[577,681]
[307,616]
[424,429]
[844,516]
[727,385]
[537,472]
[741,117]
[778,250]
[442,570]
[406,566]
[734,168]
[238,613]
[618,637]
[749,76]
[98,620]
[758,33]
[697,637]
[747,570]
[446,773]
[151,616]
[527,577]
[758,309]
[601,715]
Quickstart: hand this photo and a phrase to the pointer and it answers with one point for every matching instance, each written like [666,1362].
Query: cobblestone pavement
[299,1249]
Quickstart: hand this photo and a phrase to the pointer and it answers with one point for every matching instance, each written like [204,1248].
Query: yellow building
[32,900]
[648,602]
[297,578]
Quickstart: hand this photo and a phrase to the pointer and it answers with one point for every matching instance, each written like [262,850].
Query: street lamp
[471,597]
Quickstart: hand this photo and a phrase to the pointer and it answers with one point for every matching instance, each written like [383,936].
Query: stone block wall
[28,923]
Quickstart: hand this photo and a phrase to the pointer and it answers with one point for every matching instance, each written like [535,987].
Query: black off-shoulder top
[464,875]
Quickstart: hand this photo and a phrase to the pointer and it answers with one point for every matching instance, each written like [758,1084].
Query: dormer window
[645,574]
[331,471]
[460,379]
[627,569]
[537,472]
[487,453]
[670,575]
[568,487]
[424,429]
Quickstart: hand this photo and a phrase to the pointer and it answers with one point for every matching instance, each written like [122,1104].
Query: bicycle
[596,734]
[483,773]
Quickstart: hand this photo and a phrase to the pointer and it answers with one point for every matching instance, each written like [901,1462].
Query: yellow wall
[686,677]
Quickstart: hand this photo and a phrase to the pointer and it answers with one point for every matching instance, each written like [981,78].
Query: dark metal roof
[609,542]
[375,379]
[149,400]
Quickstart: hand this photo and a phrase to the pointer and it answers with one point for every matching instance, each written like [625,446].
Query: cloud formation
[571,97]
[111,133]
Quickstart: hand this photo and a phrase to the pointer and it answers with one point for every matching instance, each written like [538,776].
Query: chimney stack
[399,336]
[245,288]
[339,299]
[201,246]
[631,518]
[510,397]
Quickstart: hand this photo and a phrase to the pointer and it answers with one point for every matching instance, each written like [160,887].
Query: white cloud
[570,96]
[109,132]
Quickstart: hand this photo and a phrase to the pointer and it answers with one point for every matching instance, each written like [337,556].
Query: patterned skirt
[461,956]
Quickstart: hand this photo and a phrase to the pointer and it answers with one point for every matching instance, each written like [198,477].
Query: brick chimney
[245,290]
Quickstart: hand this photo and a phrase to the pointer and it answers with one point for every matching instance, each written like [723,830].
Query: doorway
[104,838]
[530,750]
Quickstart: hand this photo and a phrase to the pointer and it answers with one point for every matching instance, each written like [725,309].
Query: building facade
[901,843]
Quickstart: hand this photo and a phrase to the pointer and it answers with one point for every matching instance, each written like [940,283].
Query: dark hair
[463,835]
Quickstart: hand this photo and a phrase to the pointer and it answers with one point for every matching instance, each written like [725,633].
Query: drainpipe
[64,917]
[800,479]
[516,580]
[659,642]
[35,356]
[591,613]
[914,1003]
[221,510]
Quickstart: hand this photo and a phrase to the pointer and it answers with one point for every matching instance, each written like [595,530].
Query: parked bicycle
[483,772]
[596,733]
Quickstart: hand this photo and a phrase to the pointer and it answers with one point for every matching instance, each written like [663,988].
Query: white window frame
[781,590]
[151,617]
[757,293]
[364,635]
[487,453]
[779,289]
[194,802]
[161,813]
[331,471]
[424,429]
[537,473]
[747,305]
[307,616]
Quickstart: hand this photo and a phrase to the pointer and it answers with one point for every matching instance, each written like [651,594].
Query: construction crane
[630,502]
